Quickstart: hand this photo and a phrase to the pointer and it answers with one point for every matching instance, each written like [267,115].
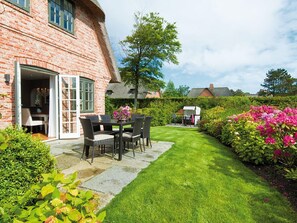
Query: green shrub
[211,121]
[161,112]
[56,199]
[246,141]
[22,161]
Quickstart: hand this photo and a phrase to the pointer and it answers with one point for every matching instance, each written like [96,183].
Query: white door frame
[18,95]
[69,106]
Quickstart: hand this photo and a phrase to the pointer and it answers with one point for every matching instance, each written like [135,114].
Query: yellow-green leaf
[56,202]
[74,192]
[74,215]
[101,216]
[47,190]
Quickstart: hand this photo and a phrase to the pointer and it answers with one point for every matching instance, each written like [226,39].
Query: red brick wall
[28,37]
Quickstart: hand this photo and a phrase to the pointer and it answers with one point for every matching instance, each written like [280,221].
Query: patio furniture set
[116,138]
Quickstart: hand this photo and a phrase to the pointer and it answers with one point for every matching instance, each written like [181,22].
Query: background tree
[170,90]
[183,90]
[262,92]
[238,92]
[152,42]
[279,82]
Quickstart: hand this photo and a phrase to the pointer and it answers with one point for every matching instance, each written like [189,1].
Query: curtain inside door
[53,114]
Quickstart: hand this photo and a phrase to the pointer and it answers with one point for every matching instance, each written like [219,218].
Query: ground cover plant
[197,180]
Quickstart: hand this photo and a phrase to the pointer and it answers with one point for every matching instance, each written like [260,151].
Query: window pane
[86,95]
[52,13]
[21,3]
[68,16]
[55,12]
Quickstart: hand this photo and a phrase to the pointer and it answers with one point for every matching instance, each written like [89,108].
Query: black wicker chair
[91,139]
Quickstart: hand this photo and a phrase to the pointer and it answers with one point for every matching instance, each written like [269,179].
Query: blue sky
[230,43]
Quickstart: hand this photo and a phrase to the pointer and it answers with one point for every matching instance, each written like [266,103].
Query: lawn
[197,180]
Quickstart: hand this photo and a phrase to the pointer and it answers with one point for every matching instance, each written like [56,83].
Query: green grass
[197,180]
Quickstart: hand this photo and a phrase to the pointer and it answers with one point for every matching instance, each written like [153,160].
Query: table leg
[120,142]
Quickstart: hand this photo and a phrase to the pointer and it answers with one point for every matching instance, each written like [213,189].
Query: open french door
[69,103]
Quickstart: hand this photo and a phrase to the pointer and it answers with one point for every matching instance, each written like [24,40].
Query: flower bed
[265,135]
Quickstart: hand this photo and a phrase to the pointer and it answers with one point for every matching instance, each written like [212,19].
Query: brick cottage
[55,60]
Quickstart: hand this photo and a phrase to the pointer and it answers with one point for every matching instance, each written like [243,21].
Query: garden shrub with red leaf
[263,135]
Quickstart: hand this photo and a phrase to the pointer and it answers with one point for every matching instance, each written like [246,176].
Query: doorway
[38,89]
[50,96]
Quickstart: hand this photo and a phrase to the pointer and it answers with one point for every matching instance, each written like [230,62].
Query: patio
[105,176]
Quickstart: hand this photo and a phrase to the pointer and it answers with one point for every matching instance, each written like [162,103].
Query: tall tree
[279,82]
[183,90]
[152,42]
[170,90]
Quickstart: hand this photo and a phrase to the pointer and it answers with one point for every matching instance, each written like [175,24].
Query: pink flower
[270,140]
[288,140]
[122,113]
[277,152]
[295,136]
[287,154]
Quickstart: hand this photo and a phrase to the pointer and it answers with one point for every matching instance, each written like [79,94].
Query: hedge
[22,160]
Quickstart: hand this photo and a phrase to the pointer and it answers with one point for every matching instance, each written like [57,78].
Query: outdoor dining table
[120,124]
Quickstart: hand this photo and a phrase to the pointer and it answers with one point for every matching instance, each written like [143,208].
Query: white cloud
[231,43]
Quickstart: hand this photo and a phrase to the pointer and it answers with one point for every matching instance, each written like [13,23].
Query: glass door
[69,106]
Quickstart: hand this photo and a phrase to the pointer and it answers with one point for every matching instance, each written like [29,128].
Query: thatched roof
[99,14]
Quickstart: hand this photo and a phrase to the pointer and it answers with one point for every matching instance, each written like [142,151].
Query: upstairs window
[109,92]
[86,95]
[61,13]
[24,4]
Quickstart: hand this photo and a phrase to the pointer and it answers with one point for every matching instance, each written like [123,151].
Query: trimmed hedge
[208,102]
[22,160]
[163,108]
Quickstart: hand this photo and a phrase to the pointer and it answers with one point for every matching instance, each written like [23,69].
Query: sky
[229,43]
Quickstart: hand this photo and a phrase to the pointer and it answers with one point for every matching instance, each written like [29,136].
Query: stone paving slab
[105,176]
[121,173]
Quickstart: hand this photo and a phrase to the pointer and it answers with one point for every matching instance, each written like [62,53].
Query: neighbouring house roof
[214,91]
[120,90]
[221,91]
[95,7]
[195,92]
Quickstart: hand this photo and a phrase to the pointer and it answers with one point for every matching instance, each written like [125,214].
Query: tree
[170,90]
[262,93]
[183,90]
[153,42]
[238,92]
[279,82]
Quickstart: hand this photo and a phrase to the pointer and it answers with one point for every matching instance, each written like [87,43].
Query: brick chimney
[211,87]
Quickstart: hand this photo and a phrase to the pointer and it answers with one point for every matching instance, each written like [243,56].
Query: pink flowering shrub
[276,128]
[242,135]
[279,128]
[122,113]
